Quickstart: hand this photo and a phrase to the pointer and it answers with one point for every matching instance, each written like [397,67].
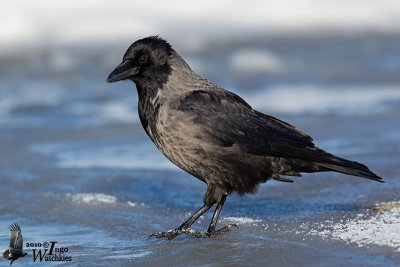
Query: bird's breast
[180,140]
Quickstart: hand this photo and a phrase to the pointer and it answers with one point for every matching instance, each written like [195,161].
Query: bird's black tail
[345,166]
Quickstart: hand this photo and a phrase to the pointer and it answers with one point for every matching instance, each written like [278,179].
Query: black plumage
[214,134]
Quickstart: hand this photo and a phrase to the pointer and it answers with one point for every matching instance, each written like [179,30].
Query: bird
[215,135]
[15,249]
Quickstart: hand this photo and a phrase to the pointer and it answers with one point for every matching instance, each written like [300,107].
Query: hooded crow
[214,134]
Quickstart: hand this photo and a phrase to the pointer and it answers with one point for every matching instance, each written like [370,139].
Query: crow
[15,249]
[213,134]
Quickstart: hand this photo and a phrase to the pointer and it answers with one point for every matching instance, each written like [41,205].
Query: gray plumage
[15,248]
[214,134]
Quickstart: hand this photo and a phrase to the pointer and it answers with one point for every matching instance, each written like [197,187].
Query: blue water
[76,166]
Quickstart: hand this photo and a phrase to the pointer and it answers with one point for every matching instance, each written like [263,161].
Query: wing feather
[229,119]
[16,239]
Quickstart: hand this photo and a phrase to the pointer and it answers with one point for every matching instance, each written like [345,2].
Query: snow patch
[255,61]
[242,220]
[30,94]
[313,99]
[112,111]
[92,198]
[130,203]
[382,228]
[30,25]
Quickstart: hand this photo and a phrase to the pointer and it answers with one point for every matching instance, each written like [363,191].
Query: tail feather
[350,167]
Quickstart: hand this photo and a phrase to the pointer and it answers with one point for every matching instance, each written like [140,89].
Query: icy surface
[380,228]
[77,167]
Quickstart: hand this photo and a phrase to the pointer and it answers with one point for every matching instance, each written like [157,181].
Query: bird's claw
[211,232]
[171,234]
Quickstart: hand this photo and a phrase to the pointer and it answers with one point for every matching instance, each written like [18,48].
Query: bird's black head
[146,60]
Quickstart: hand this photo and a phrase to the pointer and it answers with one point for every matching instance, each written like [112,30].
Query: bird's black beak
[123,71]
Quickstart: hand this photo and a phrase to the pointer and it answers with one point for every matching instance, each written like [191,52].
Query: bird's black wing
[16,239]
[227,119]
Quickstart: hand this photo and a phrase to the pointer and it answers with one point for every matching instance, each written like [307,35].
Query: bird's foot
[211,232]
[171,234]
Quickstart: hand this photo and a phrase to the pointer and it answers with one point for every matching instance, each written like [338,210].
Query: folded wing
[228,120]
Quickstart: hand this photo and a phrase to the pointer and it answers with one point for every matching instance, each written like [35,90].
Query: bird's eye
[142,59]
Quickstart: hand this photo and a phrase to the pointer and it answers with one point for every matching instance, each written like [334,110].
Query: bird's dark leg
[213,195]
[213,225]
[194,217]
[185,227]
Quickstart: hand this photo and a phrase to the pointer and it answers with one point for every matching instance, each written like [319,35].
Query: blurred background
[331,68]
